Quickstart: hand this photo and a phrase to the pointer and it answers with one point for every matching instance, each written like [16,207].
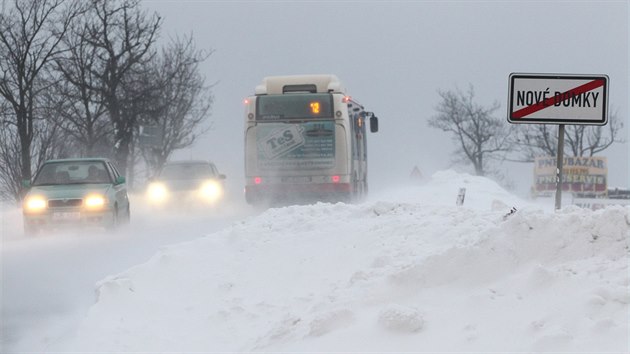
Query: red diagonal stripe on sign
[525,111]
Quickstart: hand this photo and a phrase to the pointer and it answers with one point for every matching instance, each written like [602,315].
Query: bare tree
[478,135]
[11,171]
[123,37]
[533,140]
[183,101]
[73,85]
[81,113]
[48,143]
[30,34]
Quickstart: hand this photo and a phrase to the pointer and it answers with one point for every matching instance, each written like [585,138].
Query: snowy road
[405,270]
[48,281]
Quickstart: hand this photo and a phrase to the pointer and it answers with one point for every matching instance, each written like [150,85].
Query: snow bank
[408,271]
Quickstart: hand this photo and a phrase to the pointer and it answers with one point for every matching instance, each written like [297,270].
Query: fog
[393,57]
[405,270]
[48,281]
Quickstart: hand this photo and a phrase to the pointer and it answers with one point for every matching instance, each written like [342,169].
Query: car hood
[69,191]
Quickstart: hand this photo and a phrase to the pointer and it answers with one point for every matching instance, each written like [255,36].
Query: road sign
[558,99]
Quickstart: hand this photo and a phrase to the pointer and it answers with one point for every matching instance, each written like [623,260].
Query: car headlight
[94,201]
[35,203]
[157,192]
[211,191]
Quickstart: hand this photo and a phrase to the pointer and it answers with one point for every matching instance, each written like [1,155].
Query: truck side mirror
[373,124]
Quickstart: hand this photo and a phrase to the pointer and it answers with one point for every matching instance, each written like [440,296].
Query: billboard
[582,175]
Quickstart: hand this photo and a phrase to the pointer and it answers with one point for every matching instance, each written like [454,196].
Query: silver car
[76,192]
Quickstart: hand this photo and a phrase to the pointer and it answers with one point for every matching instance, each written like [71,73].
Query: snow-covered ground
[47,281]
[407,270]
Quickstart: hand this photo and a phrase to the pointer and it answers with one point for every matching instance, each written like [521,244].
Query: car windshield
[186,171]
[72,172]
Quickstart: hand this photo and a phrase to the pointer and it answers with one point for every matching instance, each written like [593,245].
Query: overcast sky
[393,56]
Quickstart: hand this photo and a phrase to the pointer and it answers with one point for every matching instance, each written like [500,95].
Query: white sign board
[558,99]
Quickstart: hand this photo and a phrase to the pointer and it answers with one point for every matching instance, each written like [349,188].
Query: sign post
[559,166]
[558,99]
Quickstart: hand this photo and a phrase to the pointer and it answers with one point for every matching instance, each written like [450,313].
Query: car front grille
[64,203]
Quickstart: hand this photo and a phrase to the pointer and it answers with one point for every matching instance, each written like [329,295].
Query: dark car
[187,183]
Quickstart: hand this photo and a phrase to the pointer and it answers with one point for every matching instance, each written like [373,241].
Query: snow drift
[406,271]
